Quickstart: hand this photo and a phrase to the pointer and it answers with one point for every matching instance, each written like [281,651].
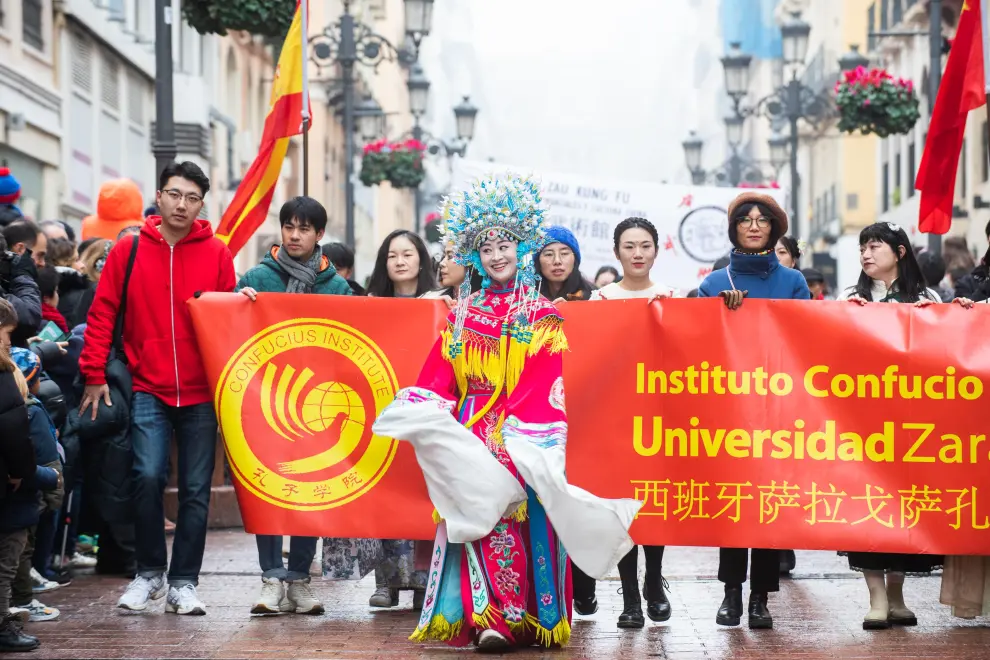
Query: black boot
[730,612]
[586,606]
[759,615]
[585,601]
[13,638]
[657,605]
[632,605]
[788,560]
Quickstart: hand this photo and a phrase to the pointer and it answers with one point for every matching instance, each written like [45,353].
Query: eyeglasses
[176,196]
[747,222]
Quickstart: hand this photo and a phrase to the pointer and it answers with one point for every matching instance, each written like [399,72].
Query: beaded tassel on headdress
[460,315]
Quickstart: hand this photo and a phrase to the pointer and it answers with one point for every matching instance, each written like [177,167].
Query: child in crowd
[19,479]
[30,508]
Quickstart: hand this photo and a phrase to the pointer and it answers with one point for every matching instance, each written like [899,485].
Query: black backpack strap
[118,327]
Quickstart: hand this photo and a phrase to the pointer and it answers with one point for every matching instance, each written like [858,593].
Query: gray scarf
[302,276]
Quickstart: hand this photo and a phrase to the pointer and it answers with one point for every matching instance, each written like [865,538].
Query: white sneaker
[272,599]
[37,612]
[184,601]
[301,598]
[39,584]
[140,591]
[489,641]
[79,560]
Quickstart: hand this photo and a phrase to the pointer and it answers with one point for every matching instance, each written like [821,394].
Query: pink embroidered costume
[488,421]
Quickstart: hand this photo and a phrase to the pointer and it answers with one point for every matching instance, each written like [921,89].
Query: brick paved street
[817,615]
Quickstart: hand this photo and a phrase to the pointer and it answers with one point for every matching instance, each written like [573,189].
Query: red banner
[783,424]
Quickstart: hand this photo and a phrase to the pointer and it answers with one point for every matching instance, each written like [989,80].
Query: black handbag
[115,418]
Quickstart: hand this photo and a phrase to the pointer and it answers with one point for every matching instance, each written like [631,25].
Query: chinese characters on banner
[734,428]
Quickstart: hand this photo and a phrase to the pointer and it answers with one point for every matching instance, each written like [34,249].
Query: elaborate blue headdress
[506,207]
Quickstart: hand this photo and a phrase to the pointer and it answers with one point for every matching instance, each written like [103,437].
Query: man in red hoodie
[177,257]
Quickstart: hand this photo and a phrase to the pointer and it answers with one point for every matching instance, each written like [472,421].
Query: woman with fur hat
[756,223]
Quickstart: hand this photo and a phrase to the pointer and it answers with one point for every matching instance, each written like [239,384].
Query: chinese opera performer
[489,426]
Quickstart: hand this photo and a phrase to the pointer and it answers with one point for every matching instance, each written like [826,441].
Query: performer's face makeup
[498,258]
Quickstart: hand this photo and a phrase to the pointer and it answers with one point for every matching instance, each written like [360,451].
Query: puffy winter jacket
[976,285]
[159,341]
[270,277]
[16,451]
[75,295]
[21,509]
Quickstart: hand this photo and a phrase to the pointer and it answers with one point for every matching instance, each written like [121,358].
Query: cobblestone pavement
[817,615]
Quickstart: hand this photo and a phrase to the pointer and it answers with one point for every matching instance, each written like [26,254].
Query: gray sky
[607,89]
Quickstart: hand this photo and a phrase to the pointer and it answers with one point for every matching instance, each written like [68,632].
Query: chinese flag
[962,89]
[249,208]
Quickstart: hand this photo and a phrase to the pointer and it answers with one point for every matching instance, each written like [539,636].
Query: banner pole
[305,96]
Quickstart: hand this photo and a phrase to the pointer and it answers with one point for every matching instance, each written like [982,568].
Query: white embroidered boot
[900,615]
[878,616]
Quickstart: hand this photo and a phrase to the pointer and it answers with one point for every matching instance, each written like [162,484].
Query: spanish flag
[962,89]
[288,109]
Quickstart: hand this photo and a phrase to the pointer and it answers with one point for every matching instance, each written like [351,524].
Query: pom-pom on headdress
[504,207]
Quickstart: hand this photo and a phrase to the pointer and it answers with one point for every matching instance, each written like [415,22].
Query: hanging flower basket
[873,101]
[376,162]
[406,169]
[270,18]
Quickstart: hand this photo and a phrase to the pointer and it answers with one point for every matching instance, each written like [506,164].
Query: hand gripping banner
[784,424]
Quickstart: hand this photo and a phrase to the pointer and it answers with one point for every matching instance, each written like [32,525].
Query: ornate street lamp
[794,37]
[734,130]
[419,91]
[344,44]
[693,146]
[778,150]
[465,113]
[853,59]
[370,119]
[736,66]
[419,19]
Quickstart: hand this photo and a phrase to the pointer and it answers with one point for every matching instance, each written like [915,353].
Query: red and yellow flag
[962,89]
[249,208]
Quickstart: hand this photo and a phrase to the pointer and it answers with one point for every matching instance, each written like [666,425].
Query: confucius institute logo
[296,403]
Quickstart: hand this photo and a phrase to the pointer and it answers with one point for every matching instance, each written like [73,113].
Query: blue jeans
[302,551]
[153,424]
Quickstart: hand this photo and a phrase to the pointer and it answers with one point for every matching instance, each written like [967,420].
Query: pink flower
[866,102]
[546,599]
[502,542]
[507,580]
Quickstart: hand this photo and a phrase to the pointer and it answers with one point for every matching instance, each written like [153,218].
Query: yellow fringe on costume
[439,629]
[437,518]
[486,619]
[521,513]
[547,333]
[560,635]
[484,359]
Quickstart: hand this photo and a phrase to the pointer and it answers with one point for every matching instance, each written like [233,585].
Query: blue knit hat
[28,363]
[558,234]
[10,189]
